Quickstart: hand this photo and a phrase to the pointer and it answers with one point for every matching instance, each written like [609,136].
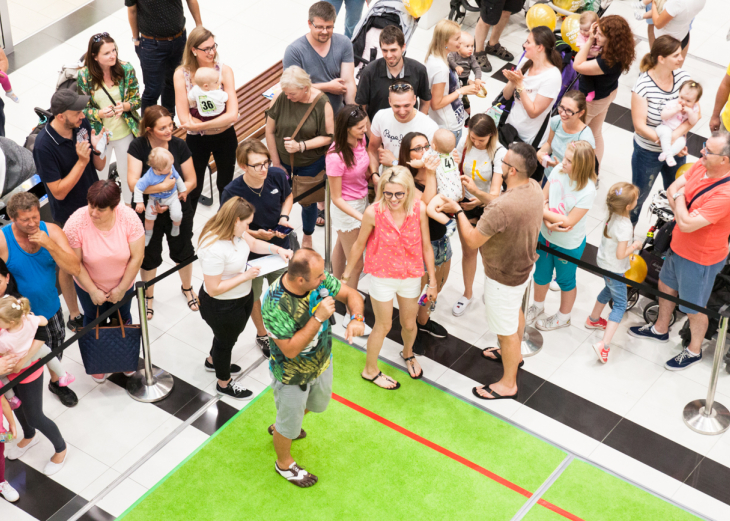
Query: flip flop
[320,215]
[495,394]
[412,357]
[497,357]
[397,384]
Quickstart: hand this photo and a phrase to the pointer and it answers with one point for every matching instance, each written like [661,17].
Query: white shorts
[385,290]
[502,305]
[341,222]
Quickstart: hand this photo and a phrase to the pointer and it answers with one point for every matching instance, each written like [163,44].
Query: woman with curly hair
[600,75]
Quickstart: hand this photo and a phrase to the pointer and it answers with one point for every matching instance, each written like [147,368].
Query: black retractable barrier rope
[639,285]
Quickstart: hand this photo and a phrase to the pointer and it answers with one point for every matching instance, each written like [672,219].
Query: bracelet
[358,318]
[457,213]
[270,249]
[315,317]
[301,146]
[305,145]
[282,216]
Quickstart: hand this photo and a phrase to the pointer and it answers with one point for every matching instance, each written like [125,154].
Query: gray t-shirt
[301,53]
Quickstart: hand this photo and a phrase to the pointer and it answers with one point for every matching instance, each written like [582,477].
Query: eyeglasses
[260,167]
[323,28]
[708,153]
[208,50]
[397,195]
[400,87]
[99,37]
[569,112]
[511,166]
[421,148]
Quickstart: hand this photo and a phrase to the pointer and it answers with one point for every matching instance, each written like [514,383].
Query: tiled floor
[27,18]
[624,409]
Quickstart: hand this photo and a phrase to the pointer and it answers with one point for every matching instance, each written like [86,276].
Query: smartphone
[283,229]
[101,145]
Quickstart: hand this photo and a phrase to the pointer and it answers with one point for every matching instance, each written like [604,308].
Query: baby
[448,181]
[206,98]
[587,19]
[5,83]
[643,8]
[685,108]
[162,168]
[463,62]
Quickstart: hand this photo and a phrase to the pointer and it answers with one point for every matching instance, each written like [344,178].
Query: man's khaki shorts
[291,402]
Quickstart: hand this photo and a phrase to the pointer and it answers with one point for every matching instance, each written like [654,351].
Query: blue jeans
[353,13]
[90,309]
[159,59]
[645,166]
[617,291]
[309,213]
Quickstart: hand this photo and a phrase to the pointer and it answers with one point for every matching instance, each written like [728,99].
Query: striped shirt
[656,99]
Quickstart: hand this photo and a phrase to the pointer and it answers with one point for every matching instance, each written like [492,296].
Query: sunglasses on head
[400,87]
[99,37]
[357,111]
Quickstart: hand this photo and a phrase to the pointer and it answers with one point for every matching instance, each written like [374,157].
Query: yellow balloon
[570,30]
[568,5]
[417,8]
[541,14]
[683,170]
[637,271]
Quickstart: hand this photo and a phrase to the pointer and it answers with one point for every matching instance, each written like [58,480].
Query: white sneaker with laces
[14,452]
[533,315]
[551,323]
[8,492]
[461,306]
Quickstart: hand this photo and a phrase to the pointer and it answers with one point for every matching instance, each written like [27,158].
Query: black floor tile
[77,503]
[79,21]
[658,452]
[195,403]
[215,417]
[40,496]
[712,479]
[625,122]
[30,49]
[572,410]
[615,112]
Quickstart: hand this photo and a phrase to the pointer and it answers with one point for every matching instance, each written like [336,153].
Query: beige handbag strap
[299,126]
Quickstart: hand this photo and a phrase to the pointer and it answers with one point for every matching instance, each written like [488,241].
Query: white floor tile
[702,503]
[554,431]
[122,497]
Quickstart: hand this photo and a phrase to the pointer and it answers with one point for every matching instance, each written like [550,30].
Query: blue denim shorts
[564,271]
[692,281]
[441,250]
[617,291]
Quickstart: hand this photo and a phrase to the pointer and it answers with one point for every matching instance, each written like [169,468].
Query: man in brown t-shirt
[507,236]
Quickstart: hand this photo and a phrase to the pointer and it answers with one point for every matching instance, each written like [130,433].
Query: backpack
[69,73]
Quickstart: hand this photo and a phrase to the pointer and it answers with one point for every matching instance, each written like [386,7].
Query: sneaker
[76,324]
[646,332]
[14,452]
[296,475]
[65,394]
[682,361]
[10,94]
[434,329]
[234,390]
[533,315]
[263,343]
[554,285]
[601,323]
[551,323]
[483,61]
[450,227]
[235,368]
[602,351]
[14,403]
[66,380]
[52,468]
[461,305]
[8,492]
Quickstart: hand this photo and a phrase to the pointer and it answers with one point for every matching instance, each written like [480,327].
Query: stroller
[459,8]
[365,39]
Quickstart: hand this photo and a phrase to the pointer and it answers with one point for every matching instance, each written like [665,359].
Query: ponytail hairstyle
[580,100]
[482,125]
[584,164]
[619,197]
[13,309]
[663,46]
[545,37]
[221,226]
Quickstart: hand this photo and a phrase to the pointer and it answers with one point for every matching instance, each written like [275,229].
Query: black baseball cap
[67,99]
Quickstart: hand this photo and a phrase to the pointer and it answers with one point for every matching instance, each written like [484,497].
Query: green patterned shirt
[284,314]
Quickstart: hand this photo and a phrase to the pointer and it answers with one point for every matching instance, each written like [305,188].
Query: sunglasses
[99,37]
[397,195]
[400,87]
[357,111]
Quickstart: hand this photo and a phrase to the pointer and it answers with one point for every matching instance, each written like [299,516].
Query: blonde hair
[295,78]
[584,163]
[12,309]
[160,158]
[692,85]
[588,16]
[196,37]
[398,175]
[618,198]
[442,33]
[220,227]
[206,75]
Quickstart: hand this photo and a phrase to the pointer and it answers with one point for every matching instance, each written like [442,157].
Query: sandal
[150,311]
[320,216]
[302,433]
[409,362]
[193,301]
[497,357]
[500,52]
[495,394]
[385,377]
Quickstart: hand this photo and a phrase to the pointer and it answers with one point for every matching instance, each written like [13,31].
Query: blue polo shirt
[55,157]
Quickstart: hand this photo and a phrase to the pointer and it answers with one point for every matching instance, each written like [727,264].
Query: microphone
[324,293]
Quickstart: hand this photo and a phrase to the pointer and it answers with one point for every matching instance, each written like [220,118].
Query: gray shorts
[291,402]
[258,283]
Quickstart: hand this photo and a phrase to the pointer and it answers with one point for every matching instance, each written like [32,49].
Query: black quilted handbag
[111,349]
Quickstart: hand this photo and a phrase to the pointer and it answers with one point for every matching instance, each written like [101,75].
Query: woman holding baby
[207,107]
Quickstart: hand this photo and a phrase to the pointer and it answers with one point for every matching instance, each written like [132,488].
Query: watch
[135,40]
[282,216]
[517,94]
[457,213]
[358,318]
[395,162]
[674,197]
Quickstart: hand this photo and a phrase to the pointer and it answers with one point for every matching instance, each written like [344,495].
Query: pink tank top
[394,253]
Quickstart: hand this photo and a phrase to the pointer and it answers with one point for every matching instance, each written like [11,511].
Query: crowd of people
[408,166]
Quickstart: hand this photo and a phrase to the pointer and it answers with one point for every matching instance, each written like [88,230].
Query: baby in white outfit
[207,95]
[685,108]
[448,180]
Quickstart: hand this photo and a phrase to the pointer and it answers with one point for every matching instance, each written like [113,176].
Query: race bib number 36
[205,106]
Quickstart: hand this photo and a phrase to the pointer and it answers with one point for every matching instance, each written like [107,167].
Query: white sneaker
[51,468]
[14,452]
[554,285]
[533,315]
[8,492]
[461,305]
[550,323]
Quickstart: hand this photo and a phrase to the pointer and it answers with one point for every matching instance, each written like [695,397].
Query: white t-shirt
[209,103]
[452,116]
[683,12]
[228,259]
[620,230]
[478,166]
[391,131]
[548,84]
[563,197]
[656,99]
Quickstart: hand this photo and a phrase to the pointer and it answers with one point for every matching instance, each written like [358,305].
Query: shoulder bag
[307,190]
[508,134]
[111,349]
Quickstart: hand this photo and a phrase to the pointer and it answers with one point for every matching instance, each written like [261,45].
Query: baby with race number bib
[210,100]
[161,168]
[448,179]
[18,329]
[685,108]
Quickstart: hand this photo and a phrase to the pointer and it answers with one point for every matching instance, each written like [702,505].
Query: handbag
[508,134]
[663,237]
[132,113]
[111,349]
[307,190]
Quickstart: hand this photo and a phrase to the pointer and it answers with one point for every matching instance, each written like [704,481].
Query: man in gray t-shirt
[327,57]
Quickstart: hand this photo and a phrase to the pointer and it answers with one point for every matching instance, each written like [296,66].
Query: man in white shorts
[507,236]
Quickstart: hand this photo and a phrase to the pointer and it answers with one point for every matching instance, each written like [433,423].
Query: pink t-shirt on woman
[105,254]
[392,252]
[355,179]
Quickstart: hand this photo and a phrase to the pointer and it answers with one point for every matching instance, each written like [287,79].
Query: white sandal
[461,305]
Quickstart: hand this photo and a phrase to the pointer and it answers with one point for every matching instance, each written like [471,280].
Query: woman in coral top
[395,231]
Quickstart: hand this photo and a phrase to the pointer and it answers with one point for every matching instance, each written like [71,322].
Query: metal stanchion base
[716,423]
[205,200]
[138,389]
[531,342]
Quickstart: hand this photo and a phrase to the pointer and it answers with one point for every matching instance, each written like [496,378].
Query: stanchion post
[153,384]
[327,228]
[532,339]
[707,416]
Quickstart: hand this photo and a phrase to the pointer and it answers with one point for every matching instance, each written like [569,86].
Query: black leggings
[227,319]
[223,147]
[30,414]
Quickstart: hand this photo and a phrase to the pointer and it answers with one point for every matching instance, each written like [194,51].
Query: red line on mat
[446,452]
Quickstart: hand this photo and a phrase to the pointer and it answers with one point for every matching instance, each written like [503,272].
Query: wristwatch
[517,93]
[282,216]
[358,318]
[395,162]
[457,213]
[674,197]
[135,40]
